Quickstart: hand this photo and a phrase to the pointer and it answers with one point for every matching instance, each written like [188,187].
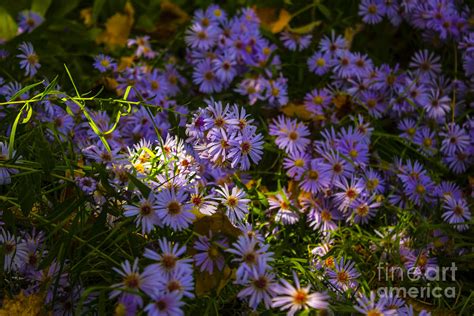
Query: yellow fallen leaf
[117,28]
[125,62]
[270,21]
[267,16]
[110,83]
[171,18]
[298,110]
[283,19]
[340,100]
[218,223]
[86,16]
[206,282]
[350,32]
[23,305]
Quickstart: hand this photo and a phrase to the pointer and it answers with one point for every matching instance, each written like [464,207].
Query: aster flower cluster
[224,50]
[23,253]
[437,18]
[225,136]
[258,207]
[164,281]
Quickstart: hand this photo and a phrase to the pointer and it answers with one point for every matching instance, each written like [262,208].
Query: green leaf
[11,142]
[324,10]
[49,88]
[8,26]
[40,6]
[25,89]
[305,28]
[127,92]
[97,8]
[28,189]
[61,8]
[142,187]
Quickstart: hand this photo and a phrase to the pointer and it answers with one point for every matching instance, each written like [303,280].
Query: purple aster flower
[224,67]
[354,148]
[235,202]
[436,105]
[156,86]
[295,164]
[419,191]
[204,204]
[143,46]
[201,37]
[98,153]
[276,91]
[15,251]
[393,301]
[168,260]
[322,215]
[316,177]
[47,280]
[219,117]
[419,262]
[362,65]
[206,78]
[372,306]
[294,298]
[132,282]
[173,209]
[334,45]
[371,11]
[317,100]
[61,121]
[374,183]
[408,311]
[216,13]
[165,304]
[350,191]
[30,60]
[291,134]
[455,139]
[364,209]
[282,204]
[295,42]
[448,189]
[174,79]
[319,63]
[145,212]
[459,161]
[426,64]
[344,275]
[249,252]
[5,173]
[261,286]
[104,63]
[86,184]
[196,128]
[408,127]
[244,148]
[425,138]
[387,78]
[253,88]
[374,103]
[336,166]
[28,21]
[343,65]
[209,253]
[456,212]
[179,281]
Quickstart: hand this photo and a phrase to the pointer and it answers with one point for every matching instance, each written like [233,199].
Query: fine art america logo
[426,289]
